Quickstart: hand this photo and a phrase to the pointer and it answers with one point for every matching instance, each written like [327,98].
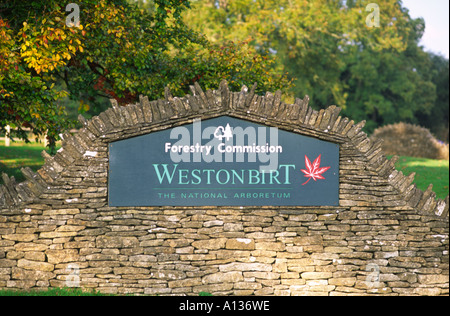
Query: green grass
[20,155]
[51,292]
[427,171]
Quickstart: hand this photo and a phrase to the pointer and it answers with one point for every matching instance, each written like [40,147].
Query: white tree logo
[224,132]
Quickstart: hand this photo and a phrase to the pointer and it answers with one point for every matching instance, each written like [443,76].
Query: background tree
[437,118]
[379,74]
[118,50]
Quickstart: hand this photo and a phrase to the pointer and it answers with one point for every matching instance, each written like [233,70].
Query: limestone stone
[20,237]
[427,291]
[342,281]
[35,256]
[432,278]
[242,266]
[35,265]
[130,270]
[316,275]
[210,243]
[62,256]
[30,247]
[38,275]
[185,283]
[272,246]
[240,244]
[116,242]
[223,277]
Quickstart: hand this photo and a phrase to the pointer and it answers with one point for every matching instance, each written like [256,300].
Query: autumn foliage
[118,51]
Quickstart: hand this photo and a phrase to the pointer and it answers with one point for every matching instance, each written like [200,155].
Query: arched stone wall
[386,237]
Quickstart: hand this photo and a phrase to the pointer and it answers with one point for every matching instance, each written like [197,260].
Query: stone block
[57,234]
[433,278]
[20,237]
[116,242]
[233,227]
[30,247]
[240,244]
[243,266]
[303,218]
[62,256]
[342,281]
[223,277]
[130,270]
[337,249]
[35,265]
[262,275]
[216,243]
[316,275]
[35,256]
[213,223]
[309,240]
[185,283]
[271,246]
[37,275]
[427,291]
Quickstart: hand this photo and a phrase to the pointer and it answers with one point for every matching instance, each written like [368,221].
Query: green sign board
[223,162]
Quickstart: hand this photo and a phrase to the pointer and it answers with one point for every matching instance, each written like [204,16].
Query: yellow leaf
[81,48]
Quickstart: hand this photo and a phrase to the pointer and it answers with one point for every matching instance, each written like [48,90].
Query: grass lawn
[427,170]
[51,292]
[20,155]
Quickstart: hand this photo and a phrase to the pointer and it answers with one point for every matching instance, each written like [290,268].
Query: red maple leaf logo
[314,171]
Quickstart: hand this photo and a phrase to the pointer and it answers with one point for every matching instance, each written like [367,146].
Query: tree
[117,50]
[332,53]
[26,99]
[437,118]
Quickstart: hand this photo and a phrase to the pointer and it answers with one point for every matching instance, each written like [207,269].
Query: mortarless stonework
[386,237]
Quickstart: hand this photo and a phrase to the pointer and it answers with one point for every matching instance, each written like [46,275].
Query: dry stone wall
[386,237]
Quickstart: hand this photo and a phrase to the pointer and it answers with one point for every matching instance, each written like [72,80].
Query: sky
[436,16]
